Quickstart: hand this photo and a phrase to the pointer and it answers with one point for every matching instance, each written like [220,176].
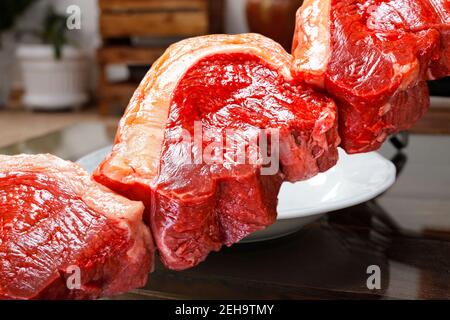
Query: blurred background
[66,61]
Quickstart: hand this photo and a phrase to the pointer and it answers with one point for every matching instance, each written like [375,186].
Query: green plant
[10,10]
[54,31]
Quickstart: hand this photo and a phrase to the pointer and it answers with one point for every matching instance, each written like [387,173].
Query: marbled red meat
[54,221]
[234,87]
[373,57]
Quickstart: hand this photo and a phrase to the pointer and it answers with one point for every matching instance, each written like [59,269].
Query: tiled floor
[17,125]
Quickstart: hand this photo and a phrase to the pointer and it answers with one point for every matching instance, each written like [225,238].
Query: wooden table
[406,232]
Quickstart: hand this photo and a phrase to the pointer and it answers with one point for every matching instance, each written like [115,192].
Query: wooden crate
[128,55]
[155,5]
[154,24]
[122,20]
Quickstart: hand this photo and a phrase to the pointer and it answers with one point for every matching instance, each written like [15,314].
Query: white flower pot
[52,84]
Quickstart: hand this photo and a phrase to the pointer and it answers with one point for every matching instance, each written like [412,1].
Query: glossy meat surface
[232,87]
[55,220]
[374,58]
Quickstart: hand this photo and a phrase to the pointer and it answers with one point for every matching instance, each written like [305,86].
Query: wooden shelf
[128,55]
[109,94]
[154,24]
[118,90]
[154,5]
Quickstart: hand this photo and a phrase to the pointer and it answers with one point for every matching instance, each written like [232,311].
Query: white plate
[355,179]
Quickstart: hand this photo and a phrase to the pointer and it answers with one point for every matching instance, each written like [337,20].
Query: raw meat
[233,86]
[373,57]
[56,223]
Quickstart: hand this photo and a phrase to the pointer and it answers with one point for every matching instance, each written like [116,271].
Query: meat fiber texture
[373,57]
[64,236]
[236,87]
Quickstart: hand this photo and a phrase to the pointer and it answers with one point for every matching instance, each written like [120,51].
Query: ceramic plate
[355,179]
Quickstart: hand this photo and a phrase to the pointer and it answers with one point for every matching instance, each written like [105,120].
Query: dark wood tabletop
[405,232]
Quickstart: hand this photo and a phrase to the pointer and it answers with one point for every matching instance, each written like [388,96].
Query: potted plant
[54,71]
[10,10]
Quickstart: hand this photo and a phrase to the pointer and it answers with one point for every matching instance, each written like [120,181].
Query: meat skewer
[64,236]
[244,83]
[263,116]
[373,57]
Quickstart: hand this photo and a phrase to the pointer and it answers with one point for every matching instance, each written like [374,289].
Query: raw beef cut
[232,87]
[57,224]
[373,57]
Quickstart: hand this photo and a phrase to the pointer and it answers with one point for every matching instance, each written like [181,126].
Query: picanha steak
[56,224]
[373,57]
[235,87]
